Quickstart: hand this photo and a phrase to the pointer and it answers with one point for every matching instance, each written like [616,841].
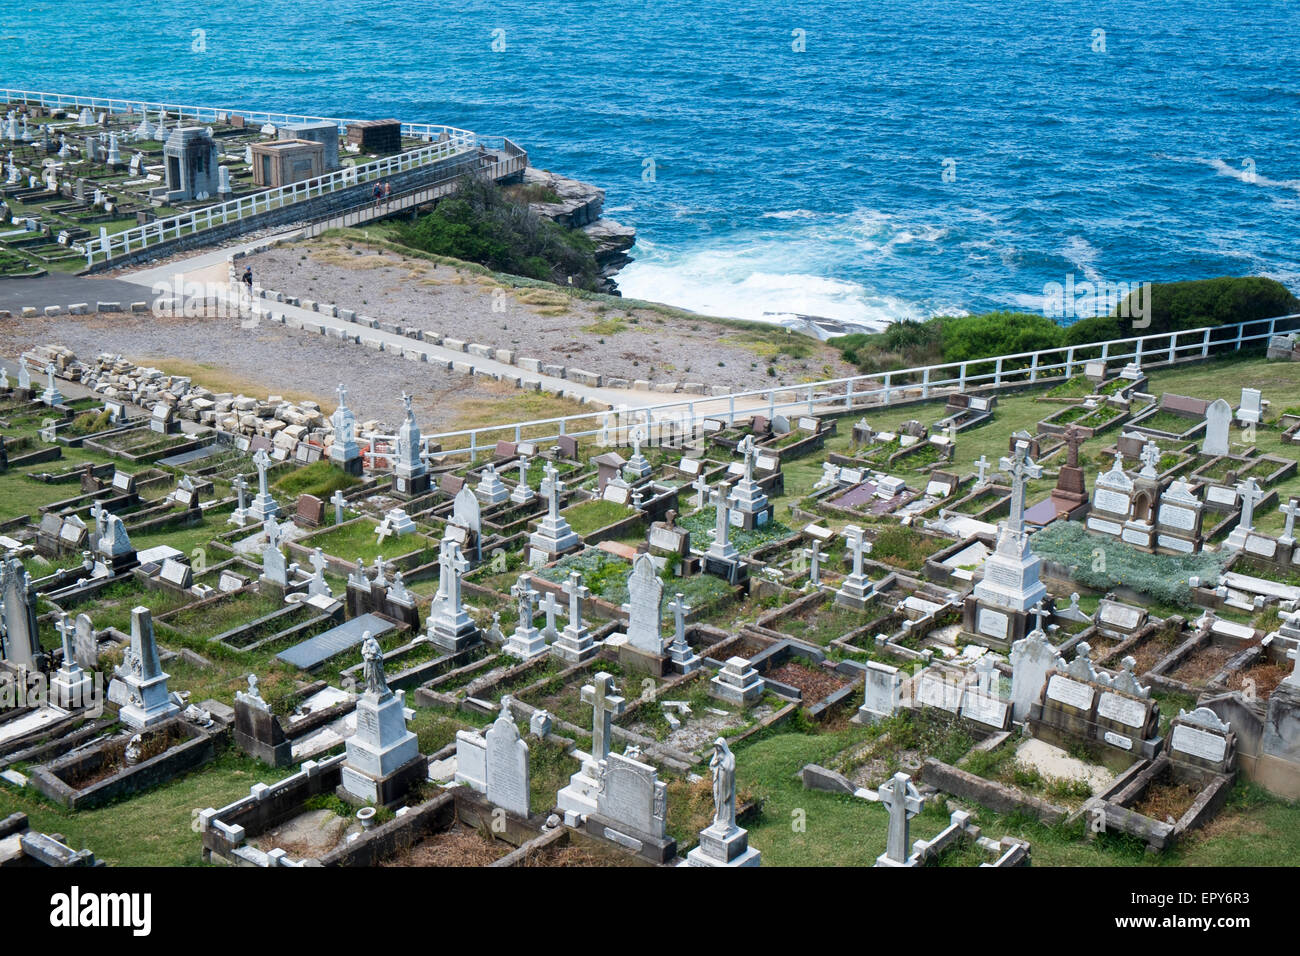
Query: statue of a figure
[723,766]
[374,665]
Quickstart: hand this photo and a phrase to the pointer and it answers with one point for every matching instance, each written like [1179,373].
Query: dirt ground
[543,324]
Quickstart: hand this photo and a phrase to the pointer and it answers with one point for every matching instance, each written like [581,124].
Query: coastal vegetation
[484,223]
[1173,306]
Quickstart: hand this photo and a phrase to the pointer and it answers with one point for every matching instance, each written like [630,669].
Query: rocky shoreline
[579,207]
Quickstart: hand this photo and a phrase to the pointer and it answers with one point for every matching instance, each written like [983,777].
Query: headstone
[1218,421]
[383,757]
[882,692]
[645,606]
[140,679]
[507,764]
[20,639]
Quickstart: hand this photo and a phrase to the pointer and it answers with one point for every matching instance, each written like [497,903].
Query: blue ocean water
[789,157]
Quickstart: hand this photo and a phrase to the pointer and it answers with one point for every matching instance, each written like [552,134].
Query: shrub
[482,223]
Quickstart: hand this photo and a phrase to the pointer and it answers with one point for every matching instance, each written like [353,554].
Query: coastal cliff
[577,205]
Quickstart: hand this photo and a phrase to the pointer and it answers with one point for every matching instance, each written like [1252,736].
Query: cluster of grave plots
[590,627]
[67,176]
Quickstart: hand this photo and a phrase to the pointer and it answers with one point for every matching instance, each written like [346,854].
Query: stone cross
[1040,612]
[551,488]
[66,628]
[577,593]
[523,472]
[701,490]
[550,607]
[241,487]
[1150,458]
[814,556]
[1290,509]
[451,565]
[637,437]
[527,597]
[1250,493]
[858,544]
[982,466]
[605,706]
[263,461]
[680,608]
[903,801]
[337,501]
[746,448]
[1021,468]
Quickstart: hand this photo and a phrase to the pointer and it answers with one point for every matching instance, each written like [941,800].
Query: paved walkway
[63,290]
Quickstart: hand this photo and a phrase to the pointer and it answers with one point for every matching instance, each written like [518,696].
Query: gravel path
[544,324]
[268,360]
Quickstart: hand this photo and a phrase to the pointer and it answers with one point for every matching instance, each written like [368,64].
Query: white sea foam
[782,273]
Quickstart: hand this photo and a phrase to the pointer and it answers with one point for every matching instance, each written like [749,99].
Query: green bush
[482,223]
[1191,305]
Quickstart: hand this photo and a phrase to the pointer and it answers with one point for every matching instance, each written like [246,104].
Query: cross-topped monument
[1291,509]
[449,625]
[263,506]
[900,797]
[605,706]
[574,645]
[1021,468]
[982,467]
[701,487]
[577,592]
[553,536]
[814,556]
[857,589]
[526,641]
[1250,494]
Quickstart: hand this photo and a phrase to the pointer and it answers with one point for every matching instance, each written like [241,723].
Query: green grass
[593,515]
[320,478]
[357,540]
[155,828]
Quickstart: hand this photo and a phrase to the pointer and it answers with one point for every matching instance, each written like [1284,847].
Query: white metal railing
[219,214]
[212,114]
[369,209]
[871,390]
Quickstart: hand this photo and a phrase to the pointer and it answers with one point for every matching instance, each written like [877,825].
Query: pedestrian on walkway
[248,279]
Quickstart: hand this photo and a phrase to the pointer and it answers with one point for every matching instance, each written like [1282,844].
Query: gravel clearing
[592,335]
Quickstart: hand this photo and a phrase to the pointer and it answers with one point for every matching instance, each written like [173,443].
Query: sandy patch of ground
[1055,764]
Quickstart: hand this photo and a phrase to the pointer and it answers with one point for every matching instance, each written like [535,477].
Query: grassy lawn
[154,828]
[593,515]
[358,540]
